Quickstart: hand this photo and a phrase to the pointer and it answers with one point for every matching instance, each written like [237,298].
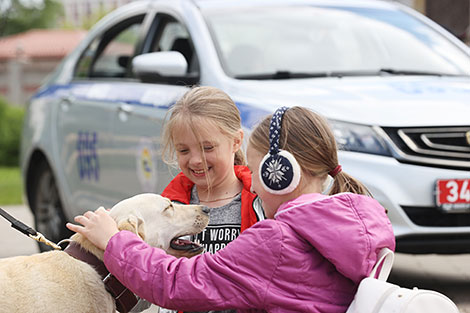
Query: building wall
[419,5]
[454,15]
[21,78]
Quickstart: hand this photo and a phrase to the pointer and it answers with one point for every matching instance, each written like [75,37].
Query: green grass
[11,186]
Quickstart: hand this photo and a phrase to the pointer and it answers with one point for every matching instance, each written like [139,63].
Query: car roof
[203,4]
[215,4]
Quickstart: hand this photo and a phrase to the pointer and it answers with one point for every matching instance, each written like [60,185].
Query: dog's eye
[169,207]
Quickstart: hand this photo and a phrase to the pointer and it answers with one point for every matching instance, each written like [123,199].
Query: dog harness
[124,298]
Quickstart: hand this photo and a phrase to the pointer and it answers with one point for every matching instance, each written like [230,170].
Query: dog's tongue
[183,244]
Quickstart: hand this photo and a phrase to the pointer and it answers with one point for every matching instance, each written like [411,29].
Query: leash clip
[28,231]
[40,238]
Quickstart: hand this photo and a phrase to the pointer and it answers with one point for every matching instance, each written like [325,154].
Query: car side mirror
[159,65]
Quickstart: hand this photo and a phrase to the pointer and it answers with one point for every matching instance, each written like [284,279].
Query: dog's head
[160,222]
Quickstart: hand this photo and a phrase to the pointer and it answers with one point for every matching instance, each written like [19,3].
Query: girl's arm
[236,277]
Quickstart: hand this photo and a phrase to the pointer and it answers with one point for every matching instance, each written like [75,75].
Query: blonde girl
[203,137]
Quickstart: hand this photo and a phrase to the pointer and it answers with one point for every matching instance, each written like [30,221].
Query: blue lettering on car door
[87,160]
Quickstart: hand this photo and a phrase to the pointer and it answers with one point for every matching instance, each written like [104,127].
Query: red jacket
[179,189]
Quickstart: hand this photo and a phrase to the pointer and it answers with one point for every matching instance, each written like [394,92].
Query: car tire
[47,207]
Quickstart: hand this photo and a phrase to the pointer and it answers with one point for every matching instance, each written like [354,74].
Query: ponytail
[343,182]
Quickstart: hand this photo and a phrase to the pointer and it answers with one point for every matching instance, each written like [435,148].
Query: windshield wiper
[281,75]
[291,75]
[410,72]
[339,74]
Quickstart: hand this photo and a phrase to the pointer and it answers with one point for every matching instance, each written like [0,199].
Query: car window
[109,55]
[172,35]
[315,40]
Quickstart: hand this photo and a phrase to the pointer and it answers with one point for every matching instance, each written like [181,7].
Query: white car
[394,85]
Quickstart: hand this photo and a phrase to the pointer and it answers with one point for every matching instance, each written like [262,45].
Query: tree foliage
[90,21]
[19,17]
[11,123]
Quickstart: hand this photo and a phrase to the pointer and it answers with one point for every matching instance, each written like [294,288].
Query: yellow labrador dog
[55,281]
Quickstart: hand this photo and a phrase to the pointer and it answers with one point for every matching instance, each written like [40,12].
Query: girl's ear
[238,140]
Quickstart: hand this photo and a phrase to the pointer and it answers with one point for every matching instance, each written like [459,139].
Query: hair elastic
[335,171]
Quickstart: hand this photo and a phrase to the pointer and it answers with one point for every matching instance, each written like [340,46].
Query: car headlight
[358,138]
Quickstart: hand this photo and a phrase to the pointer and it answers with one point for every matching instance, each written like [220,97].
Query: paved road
[449,274]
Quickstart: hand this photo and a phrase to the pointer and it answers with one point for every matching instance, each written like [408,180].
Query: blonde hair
[309,138]
[205,103]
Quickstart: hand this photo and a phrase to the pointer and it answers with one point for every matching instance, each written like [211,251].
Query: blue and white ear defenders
[279,171]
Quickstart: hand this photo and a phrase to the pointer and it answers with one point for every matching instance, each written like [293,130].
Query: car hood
[385,101]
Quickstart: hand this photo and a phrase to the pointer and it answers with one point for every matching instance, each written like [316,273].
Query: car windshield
[321,41]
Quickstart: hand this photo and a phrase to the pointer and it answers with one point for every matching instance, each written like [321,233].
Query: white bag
[375,295]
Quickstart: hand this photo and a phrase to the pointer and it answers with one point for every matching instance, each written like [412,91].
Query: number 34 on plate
[453,194]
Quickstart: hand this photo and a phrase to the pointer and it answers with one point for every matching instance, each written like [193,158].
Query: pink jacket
[310,258]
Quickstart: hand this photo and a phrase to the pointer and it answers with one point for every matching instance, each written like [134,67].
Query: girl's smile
[206,156]
[200,173]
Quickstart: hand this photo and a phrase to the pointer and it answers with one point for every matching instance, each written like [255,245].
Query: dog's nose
[206,209]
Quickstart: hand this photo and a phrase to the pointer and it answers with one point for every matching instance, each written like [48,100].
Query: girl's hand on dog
[98,227]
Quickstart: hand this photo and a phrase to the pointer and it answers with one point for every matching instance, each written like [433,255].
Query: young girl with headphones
[308,256]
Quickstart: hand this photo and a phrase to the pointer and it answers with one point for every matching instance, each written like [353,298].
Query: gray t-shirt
[224,226]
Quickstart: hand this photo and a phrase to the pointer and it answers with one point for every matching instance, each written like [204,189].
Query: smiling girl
[203,137]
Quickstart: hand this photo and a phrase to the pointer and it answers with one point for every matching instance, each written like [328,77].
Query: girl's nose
[196,158]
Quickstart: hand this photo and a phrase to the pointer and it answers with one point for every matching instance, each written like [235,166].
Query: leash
[28,231]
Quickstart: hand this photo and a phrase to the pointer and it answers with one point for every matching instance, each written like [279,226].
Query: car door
[138,125]
[86,113]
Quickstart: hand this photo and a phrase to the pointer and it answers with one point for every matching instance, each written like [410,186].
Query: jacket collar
[179,189]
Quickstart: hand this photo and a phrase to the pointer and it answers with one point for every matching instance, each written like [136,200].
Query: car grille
[447,147]
[433,217]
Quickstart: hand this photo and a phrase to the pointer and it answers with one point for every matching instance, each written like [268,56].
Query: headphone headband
[275,130]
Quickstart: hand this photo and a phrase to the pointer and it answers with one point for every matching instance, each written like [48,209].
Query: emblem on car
[467,134]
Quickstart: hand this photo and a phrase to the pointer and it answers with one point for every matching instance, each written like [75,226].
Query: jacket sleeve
[237,276]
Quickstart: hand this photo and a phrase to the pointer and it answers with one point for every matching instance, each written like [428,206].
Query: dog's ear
[134,224]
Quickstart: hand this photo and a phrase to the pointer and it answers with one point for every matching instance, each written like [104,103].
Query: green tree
[89,22]
[18,17]
[11,123]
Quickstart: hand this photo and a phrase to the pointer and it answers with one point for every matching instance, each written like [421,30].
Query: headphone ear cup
[279,173]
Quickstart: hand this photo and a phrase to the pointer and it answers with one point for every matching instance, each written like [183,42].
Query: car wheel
[46,205]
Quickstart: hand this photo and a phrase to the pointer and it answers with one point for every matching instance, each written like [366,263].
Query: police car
[394,85]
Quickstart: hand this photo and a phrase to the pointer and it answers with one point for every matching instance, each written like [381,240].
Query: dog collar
[124,298]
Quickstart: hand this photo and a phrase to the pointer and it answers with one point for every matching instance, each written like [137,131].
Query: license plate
[453,195]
